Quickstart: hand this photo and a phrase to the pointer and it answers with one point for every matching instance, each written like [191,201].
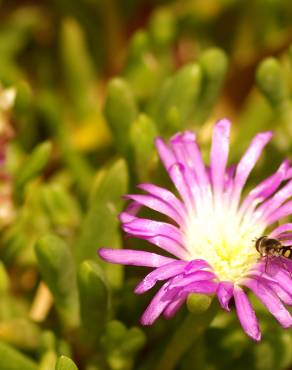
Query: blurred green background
[86,85]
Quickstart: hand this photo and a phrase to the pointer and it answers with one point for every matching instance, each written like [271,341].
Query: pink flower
[212,231]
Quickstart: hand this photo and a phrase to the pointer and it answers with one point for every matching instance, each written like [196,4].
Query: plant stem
[191,328]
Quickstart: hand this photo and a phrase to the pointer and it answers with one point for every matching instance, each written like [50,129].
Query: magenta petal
[286,264]
[267,187]
[228,179]
[178,177]
[271,301]
[283,211]
[277,200]
[248,161]
[174,169]
[165,236]
[161,273]
[225,293]
[159,302]
[196,164]
[202,287]
[284,280]
[157,205]
[145,227]
[174,305]
[285,297]
[166,196]
[187,152]
[195,265]
[262,275]
[246,314]
[179,145]
[168,244]
[183,138]
[185,280]
[281,229]
[219,154]
[133,208]
[166,155]
[133,257]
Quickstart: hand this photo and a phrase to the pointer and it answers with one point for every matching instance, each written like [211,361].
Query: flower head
[212,230]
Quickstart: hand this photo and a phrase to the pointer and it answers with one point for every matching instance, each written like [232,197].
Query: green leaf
[11,359]
[65,363]
[143,71]
[270,81]
[101,225]
[177,99]
[94,299]
[121,345]
[214,65]
[77,66]
[21,333]
[51,110]
[133,341]
[143,133]
[120,111]
[48,360]
[57,268]
[162,27]
[4,280]
[33,165]
[61,206]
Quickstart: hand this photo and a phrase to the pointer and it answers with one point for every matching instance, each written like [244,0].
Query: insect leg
[286,267]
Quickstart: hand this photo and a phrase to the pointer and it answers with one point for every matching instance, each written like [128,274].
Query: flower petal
[161,273]
[281,229]
[246,314]
[164,235]
[157,205]
[145,227]
[133,257]
[165,153]
[267,187]
[188,154]
[285,297]
[166,196]
[225,293]
[268,207]
[284,280]
[169,245]
[219,154]
[229,174]
[271,301]
[195,265]
[174,169]
[184,280]
[248,161]
[157,305]
[202,287]
[174,305]
[283,211]
[179,143]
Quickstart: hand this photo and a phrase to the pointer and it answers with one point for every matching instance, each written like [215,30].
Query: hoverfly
[272,247]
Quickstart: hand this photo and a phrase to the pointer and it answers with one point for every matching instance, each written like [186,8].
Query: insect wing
[285,239]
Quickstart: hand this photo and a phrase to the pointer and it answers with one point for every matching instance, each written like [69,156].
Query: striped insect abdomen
[286,252]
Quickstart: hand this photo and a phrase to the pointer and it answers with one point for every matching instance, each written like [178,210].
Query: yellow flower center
[224,238]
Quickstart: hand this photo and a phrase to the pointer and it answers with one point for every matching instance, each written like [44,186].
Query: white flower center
[219,235]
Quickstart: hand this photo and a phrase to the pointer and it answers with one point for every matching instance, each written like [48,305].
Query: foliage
[96,82]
